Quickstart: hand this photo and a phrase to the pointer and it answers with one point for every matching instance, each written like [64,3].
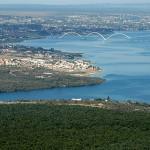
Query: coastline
[99,81]
[96,103]
[29,81]
[28,68]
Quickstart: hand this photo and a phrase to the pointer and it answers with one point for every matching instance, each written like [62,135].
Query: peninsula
[28,68]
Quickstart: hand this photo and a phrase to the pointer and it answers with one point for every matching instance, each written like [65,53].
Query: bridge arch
[126,36]
[70,33]
[98,34]
[95,33]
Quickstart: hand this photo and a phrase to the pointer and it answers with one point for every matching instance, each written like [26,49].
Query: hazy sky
[70,1]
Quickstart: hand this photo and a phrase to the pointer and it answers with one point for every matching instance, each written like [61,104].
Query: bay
[125,63]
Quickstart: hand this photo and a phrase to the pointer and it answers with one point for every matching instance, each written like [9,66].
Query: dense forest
[64,127]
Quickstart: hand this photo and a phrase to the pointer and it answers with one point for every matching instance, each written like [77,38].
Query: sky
[53,2]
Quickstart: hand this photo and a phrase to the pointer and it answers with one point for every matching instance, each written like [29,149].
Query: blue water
[125,63]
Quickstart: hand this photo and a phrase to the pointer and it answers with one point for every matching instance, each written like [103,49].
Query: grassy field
[16,79]
[50,126]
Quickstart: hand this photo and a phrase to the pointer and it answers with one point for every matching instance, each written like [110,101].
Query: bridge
[70,33]
[94,33]
[116,34]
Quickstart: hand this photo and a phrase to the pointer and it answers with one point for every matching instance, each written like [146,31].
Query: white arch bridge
[94,33]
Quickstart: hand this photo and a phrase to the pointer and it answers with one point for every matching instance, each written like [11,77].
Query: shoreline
[28,68]
[99,103]
[25,80]
[50,88]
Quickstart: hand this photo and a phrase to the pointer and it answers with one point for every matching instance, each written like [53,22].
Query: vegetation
[68,127]
[14,79]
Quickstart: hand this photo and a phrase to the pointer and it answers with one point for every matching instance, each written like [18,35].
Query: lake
[125,63]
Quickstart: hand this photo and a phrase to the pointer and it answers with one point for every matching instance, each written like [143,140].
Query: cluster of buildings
[18,28]
[74,66]
[34,60]
[103,23]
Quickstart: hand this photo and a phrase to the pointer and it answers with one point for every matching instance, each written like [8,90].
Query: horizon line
[138,3]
